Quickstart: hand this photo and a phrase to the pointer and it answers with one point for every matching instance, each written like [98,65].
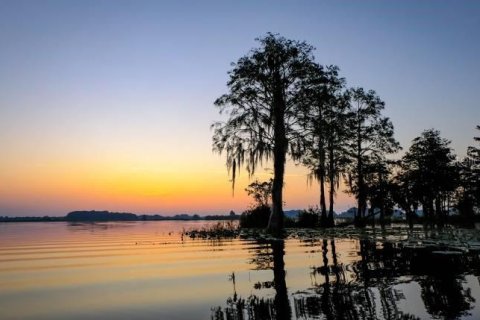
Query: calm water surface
[147,270]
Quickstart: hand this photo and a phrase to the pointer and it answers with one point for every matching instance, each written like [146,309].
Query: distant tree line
[94,216]
[281,102]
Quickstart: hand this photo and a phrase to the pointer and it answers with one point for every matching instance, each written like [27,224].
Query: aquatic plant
[220,230]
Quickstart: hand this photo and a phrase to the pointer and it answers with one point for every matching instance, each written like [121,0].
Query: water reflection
[267,255]
[147,270]
[371,287]
[369,296]
[94,226]
[444,295]
[282,304]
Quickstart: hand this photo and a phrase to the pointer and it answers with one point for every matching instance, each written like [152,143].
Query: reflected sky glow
[146,270]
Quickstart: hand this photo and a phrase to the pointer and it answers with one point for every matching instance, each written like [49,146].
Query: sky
[108,104]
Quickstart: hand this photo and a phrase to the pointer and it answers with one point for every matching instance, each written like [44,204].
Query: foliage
[380,187]
[468,193]
[371,138]
[256,217]
[337,132]
[220,230]
[429,169]
[261,106]
[261,192]
[403,194]
[321,130]
[281,103]
[309,218]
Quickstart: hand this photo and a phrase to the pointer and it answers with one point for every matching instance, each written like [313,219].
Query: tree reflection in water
[365,289]
[442,290]
[256,308]
[338,298]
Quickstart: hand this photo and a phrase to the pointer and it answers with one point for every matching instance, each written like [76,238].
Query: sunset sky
[108,104]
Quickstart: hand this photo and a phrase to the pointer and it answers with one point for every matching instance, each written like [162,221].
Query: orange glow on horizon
[141,187]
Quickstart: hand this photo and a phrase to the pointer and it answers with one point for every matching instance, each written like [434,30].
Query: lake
[149,270]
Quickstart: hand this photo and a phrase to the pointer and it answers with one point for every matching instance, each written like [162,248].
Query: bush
[221,230]
[255,218]
[289,222]
[308,218]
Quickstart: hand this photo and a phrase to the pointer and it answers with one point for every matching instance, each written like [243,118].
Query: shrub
[308,218]
[255,218]
[220,230]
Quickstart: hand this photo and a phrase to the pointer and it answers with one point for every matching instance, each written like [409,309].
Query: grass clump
[220,230]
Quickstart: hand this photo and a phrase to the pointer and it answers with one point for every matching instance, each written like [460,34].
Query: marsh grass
[446,240]
[220,230]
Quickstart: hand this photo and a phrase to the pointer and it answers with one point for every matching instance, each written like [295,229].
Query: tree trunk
[323,205]
[440,217]
[275,222]
[362,201]
[330,220]
[409,218]
[428,211]
[382,199]
[321,169]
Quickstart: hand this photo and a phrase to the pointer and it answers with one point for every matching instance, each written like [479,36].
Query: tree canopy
[371,138]
[429,168]
[264,95]
[280,102]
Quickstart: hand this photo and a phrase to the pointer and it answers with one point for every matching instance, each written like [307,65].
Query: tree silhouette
[403,194]
[380,188]
[468,193]
[474,159]
[430,169]
[261,192]
[319,120]
[371,137]
[337,136]
[262,104]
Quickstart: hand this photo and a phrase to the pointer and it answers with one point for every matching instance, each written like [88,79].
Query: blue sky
[98,79]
